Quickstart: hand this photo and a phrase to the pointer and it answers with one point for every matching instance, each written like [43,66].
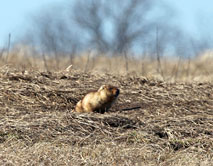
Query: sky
[193,16]
[16,14]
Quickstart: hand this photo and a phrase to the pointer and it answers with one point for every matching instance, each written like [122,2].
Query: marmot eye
[110,88]
[103,87]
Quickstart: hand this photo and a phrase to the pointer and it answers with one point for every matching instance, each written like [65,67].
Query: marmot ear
[101,88]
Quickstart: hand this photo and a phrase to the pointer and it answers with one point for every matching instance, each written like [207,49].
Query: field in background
[169,69]
[162,116]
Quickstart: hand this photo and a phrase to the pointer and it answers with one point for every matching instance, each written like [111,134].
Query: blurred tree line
[109,26]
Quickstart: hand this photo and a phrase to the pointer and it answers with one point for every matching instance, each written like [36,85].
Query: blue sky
[16,14]
[194,16]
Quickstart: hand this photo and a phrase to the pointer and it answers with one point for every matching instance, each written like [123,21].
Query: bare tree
[106,26]
[126,22]
[8,46]
[158,53]
[91,19]
[1,53]
[130,24]
[51,31]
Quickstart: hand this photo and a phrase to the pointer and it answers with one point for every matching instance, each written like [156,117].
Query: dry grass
[153,122]
[199,69]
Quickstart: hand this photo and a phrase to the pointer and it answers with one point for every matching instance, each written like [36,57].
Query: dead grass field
[173,69]
[154,122]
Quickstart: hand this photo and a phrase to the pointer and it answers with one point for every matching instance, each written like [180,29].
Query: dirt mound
[152,122]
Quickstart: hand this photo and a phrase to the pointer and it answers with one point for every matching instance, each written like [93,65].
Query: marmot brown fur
[99,101]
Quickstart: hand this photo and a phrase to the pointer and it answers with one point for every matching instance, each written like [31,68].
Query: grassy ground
[154,122]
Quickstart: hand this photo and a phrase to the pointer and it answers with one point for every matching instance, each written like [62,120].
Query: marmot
[98,101]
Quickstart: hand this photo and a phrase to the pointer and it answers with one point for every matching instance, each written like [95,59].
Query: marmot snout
[98,101]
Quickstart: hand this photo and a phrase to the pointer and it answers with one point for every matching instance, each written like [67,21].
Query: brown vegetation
[173,69]
[153,122]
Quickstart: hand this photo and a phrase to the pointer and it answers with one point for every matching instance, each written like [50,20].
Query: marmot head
[109,90]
